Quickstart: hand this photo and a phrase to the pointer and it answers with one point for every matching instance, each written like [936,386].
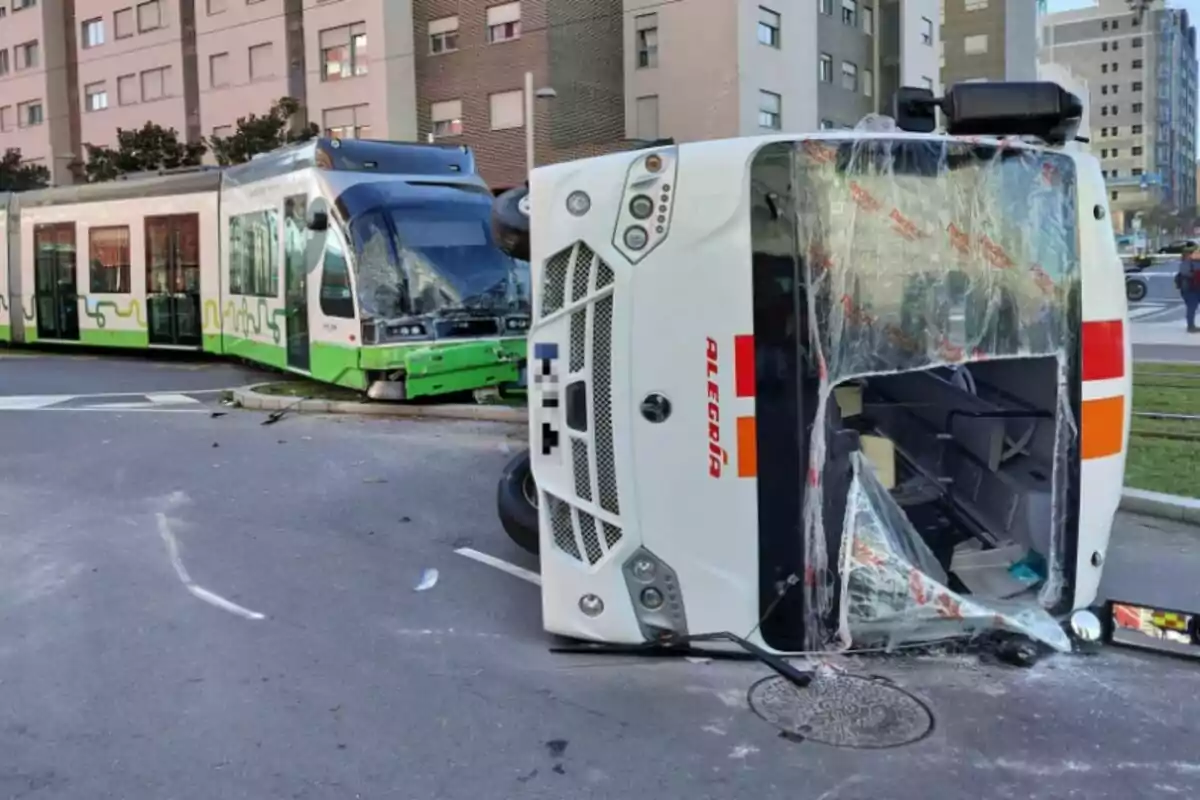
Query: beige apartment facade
[989,40]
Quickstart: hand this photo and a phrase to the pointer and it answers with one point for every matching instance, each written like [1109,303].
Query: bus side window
[336,299]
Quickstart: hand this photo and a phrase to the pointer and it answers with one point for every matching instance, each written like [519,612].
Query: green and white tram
[365,264]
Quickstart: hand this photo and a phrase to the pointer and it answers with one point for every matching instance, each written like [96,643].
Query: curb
[248,398]
[1163,506]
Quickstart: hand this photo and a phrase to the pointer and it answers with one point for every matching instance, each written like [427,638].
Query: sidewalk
[1162,333]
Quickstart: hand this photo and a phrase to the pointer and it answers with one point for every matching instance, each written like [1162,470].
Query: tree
[150,148]
[255,134]
[17,176]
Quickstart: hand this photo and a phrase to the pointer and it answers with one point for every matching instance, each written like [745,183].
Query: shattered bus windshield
[937,286]
[433,257]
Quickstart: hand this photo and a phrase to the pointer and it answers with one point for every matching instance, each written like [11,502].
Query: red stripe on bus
[743,366]
[1103,350]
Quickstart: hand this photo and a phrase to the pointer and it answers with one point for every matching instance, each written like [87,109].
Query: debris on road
[429,579]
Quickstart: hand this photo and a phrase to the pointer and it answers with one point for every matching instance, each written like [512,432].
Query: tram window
[254,254]
[336,296]
[108,260]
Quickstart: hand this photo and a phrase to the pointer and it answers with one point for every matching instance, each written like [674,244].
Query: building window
[504,23]
[222,131]
[647,118]
[95,96]
[1115,110]
[825,68]
[5,115]
[1114,195]
[1137,42]
[1116,46]
[1137,63]
[1104,25]
[108,260]
[1137,86]
[768,27]
[1137,151]
[447,118]
[1104,47]
[849,76]
[26,55]
[348,122]
[1113,66]
[262,61]
[254,254]
[507,110]
[123,23]
[1137,108]
[850,12]
[868,83]
[218,70]
[1116,152]
[1136,171]
[343,52]
[29,114]
[443,35]
[1104,111]
[154,84]
[149,16]
[127,90]
[92,33]
[827,7]
[1137,128]
[1116,24]
[217,6]
[646,31]
[868,20]
[975,45]
[1104,68]
[21,5]
[927,31]
[3,61]
[770,111]
[1104,153]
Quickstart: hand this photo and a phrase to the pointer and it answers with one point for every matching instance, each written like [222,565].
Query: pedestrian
[1187,281]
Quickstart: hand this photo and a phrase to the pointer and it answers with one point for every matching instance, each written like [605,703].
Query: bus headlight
[636,237]
[652,598]
[641,207]
[578,203]
[591,605]
[655,594]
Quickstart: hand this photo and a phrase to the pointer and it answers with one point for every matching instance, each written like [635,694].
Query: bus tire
[510,222]
[1135,290]
[516,503]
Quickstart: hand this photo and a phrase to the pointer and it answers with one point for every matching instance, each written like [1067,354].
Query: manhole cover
[842,710]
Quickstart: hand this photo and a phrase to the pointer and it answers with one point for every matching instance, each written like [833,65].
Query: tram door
[173,280]
[57,294]
[296,234]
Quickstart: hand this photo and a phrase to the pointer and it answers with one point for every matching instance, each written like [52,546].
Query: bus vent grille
[578,339]
[583,472]
[612,535]
[604,274]
[591,539]
[581,278]
[554,284]
[560,524]
[606,467]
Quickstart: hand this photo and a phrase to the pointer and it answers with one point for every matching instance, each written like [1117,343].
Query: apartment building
[1141,72]
[698,69]
[992,40]
[36,77]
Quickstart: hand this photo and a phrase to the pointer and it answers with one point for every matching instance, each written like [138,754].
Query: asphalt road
[206,607]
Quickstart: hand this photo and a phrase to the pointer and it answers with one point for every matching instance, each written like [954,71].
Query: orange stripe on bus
[1103,427]
[747,447]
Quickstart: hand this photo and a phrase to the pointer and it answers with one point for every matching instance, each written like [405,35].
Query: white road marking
[28,402]
[503,566]
[169,398]
[1146,311]
[199,592]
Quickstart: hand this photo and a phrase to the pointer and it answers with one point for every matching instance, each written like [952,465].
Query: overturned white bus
[864,387]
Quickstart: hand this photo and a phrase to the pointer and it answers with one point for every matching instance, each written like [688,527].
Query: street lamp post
[530,96]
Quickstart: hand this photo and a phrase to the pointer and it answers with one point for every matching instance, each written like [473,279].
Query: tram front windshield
[433,257]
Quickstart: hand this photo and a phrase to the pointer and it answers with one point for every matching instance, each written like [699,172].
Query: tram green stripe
[107,338]
[5,334]
[332,363]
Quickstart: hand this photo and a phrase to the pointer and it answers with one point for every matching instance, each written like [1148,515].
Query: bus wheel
[516,502]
